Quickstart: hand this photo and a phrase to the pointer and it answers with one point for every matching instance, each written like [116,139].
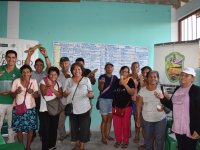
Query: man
[87,72]
[38,74]
[8,73]
[64,74]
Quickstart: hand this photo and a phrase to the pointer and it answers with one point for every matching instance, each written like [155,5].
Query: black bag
[97,105]
[69,109]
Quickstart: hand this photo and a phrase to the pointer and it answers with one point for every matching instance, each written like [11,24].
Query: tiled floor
[94,144]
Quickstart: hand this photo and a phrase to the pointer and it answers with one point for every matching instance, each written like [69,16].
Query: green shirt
[8,76]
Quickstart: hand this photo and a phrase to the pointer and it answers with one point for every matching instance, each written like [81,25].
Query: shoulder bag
[69,107]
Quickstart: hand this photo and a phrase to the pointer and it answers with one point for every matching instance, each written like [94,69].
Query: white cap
[189,70]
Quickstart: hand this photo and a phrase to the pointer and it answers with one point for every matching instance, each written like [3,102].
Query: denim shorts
[105,106]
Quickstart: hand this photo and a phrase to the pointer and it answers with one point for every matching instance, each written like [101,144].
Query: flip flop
[110,138]
[117,145]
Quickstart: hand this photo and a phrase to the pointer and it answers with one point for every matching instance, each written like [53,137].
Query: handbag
[21,108]
[69,107]
[54,106]
[97,103]
[118,111]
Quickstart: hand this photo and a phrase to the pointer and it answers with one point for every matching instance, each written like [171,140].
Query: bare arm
[44,53]
[101,83]
[30,53]
[129,90]
[139,104]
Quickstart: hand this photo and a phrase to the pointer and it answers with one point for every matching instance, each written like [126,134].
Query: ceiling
[174,3]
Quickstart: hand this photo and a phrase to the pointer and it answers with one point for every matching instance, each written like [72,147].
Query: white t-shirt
[43,106]
[62,79]
[150,102]
[81,102]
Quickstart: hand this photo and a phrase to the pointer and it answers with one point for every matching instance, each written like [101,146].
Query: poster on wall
[171,58]
[19,46]
[96,55]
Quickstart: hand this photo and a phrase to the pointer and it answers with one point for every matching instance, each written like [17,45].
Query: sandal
[141,147]
[124,145]
[136,140]
[104,141]
[110,138]
[117,145]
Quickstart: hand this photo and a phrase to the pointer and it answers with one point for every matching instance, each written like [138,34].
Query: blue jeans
[154,132]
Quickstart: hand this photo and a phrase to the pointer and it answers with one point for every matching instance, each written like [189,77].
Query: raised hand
[43,51]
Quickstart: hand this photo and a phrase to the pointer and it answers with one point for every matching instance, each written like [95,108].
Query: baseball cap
[62,59]
[108,63]
[189,70]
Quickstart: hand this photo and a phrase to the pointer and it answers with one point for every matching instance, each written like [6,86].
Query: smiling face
[124,73]
[109,69]
[153,78]
[186,79]
[11,59]
[39,66]
[53,76]
[135,68]
[26,74]
[65,65]
[77,71]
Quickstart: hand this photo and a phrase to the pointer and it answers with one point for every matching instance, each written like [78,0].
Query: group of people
[119,98]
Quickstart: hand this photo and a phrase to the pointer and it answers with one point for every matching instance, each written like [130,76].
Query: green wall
[3,19]
[94,22]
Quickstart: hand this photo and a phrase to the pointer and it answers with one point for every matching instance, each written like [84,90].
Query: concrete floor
[94,144]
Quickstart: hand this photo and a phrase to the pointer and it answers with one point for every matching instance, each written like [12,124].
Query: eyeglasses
[125,72]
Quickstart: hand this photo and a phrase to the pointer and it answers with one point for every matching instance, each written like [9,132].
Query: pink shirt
[181,118]
[29,101]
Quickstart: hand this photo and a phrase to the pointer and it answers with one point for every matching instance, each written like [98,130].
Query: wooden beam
[48,0]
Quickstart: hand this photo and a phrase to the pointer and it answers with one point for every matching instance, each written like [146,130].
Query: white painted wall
[13,20]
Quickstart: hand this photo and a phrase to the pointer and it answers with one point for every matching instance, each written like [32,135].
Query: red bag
[118,111]
[20,109]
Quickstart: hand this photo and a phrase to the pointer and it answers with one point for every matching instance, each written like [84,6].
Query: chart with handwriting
[97,55]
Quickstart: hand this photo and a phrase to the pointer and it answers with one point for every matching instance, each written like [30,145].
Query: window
[189,27]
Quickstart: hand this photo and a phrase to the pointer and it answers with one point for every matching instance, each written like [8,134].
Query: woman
[25,90]
[185,103]
[50,89]
[123,92]
[135,76]
[106,84]
[78,90]
[143,77]
[154,118]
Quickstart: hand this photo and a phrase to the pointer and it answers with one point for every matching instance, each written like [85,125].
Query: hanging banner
[171,58]
[19,46]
